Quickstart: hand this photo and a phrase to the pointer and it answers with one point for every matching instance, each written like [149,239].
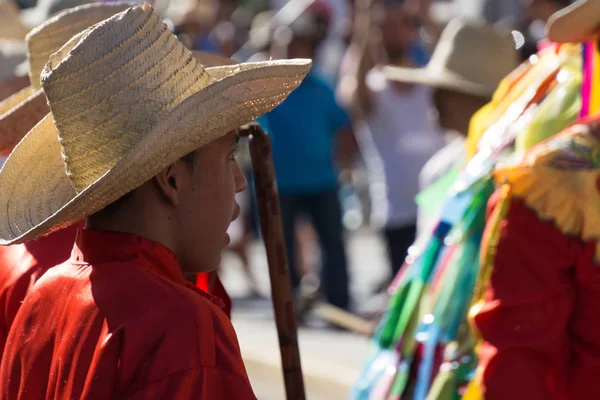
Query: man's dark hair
[190,160]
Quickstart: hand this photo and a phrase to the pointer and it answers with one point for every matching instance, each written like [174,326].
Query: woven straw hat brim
[39,197]
[19,113]
[576,23]
[437,78]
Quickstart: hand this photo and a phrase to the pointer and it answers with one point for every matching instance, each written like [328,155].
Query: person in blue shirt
[305,129]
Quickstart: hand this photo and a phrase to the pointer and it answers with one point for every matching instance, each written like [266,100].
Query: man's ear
[169,182]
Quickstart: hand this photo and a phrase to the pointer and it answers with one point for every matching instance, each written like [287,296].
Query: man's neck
[134,218]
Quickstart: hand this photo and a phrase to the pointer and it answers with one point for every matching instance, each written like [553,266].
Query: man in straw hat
[391,118]
[468,63]
[141,141]
[305,130]
[539,319]
[22,265]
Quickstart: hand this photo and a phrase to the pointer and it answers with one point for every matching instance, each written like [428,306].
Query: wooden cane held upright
[272,232]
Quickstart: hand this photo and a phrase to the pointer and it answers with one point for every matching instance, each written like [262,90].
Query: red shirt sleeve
[528,304]
[11,297]
[203,383]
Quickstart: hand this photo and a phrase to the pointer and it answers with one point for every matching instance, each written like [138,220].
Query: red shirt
[22,265]
[541,318]
[118,320]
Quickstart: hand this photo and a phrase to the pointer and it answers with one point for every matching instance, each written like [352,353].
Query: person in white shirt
[399,136]
[396,128]
[394,106]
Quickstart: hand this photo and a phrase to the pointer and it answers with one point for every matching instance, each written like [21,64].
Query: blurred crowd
[382,116]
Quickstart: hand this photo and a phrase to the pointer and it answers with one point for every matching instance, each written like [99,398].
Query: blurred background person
[193,22]
[505,12]
[13,67]
[396,128]
[527,19]
[37,12]
[337,13]
[11,27]
[305,129]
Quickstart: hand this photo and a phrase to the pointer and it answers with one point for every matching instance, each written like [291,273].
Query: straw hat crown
[96,131]
[50,36]
[476,53]
[470,58]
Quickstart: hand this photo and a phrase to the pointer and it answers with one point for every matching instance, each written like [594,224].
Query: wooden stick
[272,232]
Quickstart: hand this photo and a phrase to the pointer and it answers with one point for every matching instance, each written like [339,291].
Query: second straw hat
[469,58]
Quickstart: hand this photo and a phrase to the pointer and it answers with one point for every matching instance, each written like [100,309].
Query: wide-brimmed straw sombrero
[577,23]
[20,112]
[127,100]
[469,58]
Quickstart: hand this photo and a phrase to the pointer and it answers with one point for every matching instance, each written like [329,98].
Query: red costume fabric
[540,319]
[118,320]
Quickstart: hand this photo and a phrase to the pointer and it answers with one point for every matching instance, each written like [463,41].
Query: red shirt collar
[95,247]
